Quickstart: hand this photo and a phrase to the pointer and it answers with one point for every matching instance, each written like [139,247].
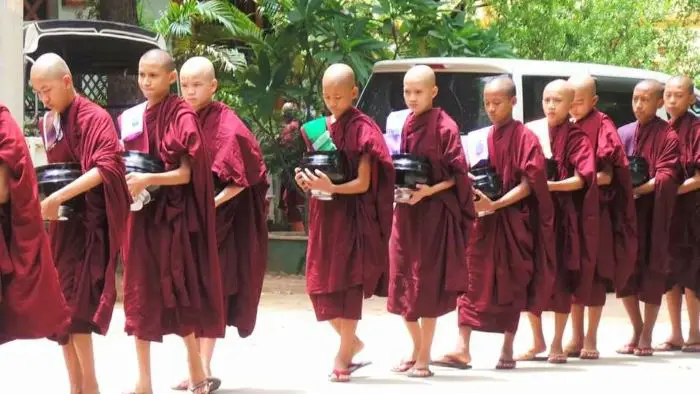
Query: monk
[291,141]
[575,195]
[241,224]
[617,233]
[86,246]
[347,258]
[510,254]
[679,96]
[427,248]
[172,277]
[32,305]
[651,138]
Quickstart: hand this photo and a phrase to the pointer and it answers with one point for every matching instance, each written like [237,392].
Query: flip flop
[182,386]
[531,356]
[451,362]
[644,351]
[214,383]
[505,364]
[353,367]
[404,366]
[668,347]
[589,354]
[556,359]
[420,373]
[340,376]
[691,347]
[185,384]
[627,349]
[574,353]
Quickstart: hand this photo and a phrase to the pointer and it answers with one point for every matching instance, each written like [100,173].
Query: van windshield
[459,94]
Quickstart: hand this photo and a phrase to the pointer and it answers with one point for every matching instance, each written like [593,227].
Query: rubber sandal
[627,349]
[340,376]
[644,352]
[505,364]
[404,366]
[420,373]
[668,347]
[589,354]
[530,355]
[691,347]
[356,366]
[556,359]
[448,361]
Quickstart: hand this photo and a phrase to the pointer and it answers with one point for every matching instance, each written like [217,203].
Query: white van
[461,84]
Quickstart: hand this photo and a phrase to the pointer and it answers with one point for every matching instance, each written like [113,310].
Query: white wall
[11,60]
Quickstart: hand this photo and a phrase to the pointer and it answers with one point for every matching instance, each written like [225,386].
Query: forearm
[690,185]
[179,176]
[605,177]
[85,182]
[513,196]
[228,193]
[646,188]
[569,184]
[444,185]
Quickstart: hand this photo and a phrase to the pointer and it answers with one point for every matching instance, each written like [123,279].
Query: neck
[503,122]
[644,122]
[419,113]
[335,117]
[557,123]
[156,100]
[674,118]
[71,96]
[586,115]
[201,107]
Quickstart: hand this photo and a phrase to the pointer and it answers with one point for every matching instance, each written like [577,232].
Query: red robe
[428,243]
[85,248]
[347,256]
[685,225]
[290,198]
[172,281]
[659,145]
[617,234]
[511,253]
[575,216]
[241,223]
[31,303]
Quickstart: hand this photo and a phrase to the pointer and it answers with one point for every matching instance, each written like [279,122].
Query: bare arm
[228,193]
[438,187]
[514,195]
[645,188]
[691,184]
[179,176]
[358,185]
[604,177]
[79,186]
[569,184]
[4,183]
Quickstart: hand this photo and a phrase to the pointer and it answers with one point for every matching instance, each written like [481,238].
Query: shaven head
[499,100]
[419,89]
[198,82]
[556,101]
[585,96]
[679,96]
[52,80]
[156,74]
[647,98]
[339,89]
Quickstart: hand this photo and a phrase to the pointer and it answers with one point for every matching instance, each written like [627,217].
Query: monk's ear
[595,100]
[435,92]
[355,92]
[172,77]
[514,101]
[214,86]
[67,81]
[660,103]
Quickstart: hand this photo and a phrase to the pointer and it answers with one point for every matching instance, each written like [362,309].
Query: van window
[614,97]
[696,108]
[459,94]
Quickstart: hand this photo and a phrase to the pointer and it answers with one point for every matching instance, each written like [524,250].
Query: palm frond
[233,19]
[228,60]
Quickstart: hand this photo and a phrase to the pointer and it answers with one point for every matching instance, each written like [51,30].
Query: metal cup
[402,195]
[320,195]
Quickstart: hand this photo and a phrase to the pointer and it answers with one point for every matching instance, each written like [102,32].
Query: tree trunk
[122,91]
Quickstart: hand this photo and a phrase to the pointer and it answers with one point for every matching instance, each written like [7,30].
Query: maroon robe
[428,242]
[241,223]
[348,252]
[575,216]
[31,303]
[511,254]
[290,198]
[659,145]
[685,225]
[617,234]
[85,248]
[172,281]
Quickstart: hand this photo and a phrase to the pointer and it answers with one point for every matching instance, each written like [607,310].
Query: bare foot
[670,345]
[457,360]
[403,366]
[532,354]
[573,348]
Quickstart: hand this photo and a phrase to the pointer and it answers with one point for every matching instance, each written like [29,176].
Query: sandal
[644,351]
[587,354]
[668,347]
[420,373]
[182,386]
[203,387]
[530,355]
[404,366]
[627,349]
[450,361]
[340,376]
[574,352]
[505,364]
[691,347]
[556,359]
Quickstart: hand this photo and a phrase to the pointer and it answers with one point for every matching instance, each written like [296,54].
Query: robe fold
[575,217]
[617,235]
[31,303]
[428,268]
[511,255]
[241,223]
[172,281]
[659,145]
[348,252]
[86,247]
[685,225]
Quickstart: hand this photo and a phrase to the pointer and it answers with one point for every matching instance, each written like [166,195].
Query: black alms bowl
[330,163]
[639,169]
[552,170]
[411,170]
[142,163]
[487,181]
[53,177]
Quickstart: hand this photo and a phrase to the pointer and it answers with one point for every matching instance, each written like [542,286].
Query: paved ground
[290,353]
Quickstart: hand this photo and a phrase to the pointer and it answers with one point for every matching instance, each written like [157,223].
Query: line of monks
[194,260]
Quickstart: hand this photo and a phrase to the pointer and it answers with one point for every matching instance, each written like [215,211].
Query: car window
[459,94]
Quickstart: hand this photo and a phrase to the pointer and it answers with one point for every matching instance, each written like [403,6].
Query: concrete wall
[11,61]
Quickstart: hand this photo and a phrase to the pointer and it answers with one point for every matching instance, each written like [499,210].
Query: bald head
[159,57]
[654,87]
[556,101]
[339,74]
[420,74]
[339,89]
[682,81]
[49,66]
[200,67]
[647,98]
[502,84]
[679,96]
[419,89]
[585,96]
[584,83]
[564,88]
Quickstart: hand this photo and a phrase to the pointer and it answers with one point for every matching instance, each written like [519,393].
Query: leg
[573,348]
[506,360]
[631,305]
[674,301]
[556,349]
[693,304]
[83,349]
[358,344]
[346,350]
[538,345]
[651,312]
[75,377]
[427,332]
[206,351]
[590,343]
[194,361]
[143,355]
[461,356]
[414,331]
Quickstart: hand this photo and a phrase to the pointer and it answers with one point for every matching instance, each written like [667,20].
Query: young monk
[172,282]
[429,237]
[511,250]
[290,198]
[347,257]
[31,303]
[85,247]
[241,223]
[617,232]
[575,195]
[679,96]
[651,138]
